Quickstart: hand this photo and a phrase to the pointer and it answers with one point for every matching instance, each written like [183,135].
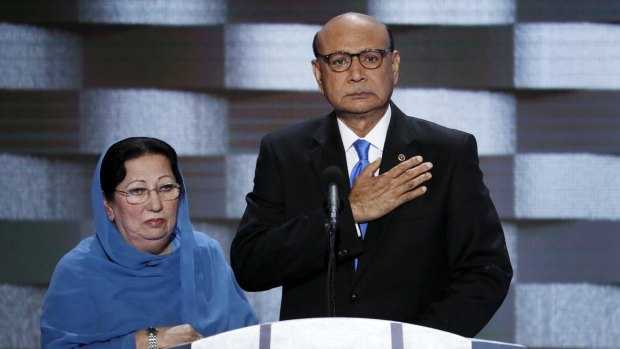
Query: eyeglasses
[341,61]
[166,192]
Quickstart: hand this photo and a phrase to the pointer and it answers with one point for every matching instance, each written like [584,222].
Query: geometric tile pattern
[490,116]
[550,186]
[537,83]
[40,188]
[449,12]
[239,176]
[567,55]
[269,56]
[193,123]
[23,304]
[39,58]
[568,315]
[162,12]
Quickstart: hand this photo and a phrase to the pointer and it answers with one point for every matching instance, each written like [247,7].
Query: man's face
[358,90]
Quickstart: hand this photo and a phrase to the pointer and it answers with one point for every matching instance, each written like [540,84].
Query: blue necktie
[361,146]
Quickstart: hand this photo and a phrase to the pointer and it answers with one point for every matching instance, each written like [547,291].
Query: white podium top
[341,333]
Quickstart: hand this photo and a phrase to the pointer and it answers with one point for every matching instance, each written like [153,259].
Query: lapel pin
[401,157]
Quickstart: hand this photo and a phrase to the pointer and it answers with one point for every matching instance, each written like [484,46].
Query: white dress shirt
[376,138]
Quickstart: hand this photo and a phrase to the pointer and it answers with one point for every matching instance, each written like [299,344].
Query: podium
[342,333]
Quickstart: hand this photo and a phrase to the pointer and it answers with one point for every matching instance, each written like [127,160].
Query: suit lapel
[400,140]
[330,152]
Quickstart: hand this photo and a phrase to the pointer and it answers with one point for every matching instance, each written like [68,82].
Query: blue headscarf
[104,289]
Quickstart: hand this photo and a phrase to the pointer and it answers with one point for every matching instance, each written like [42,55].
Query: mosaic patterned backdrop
[536,81]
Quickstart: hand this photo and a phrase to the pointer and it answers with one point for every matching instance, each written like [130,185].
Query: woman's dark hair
[113,170]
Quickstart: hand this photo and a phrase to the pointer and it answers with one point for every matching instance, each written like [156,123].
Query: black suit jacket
[439,261]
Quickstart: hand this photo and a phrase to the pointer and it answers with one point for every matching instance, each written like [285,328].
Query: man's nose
[357,72]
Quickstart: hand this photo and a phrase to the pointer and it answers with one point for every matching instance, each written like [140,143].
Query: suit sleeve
[480,269]
[279,240]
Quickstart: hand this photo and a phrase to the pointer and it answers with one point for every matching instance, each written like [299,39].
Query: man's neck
[362,124]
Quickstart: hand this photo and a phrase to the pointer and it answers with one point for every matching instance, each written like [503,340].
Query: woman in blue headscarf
[146,279]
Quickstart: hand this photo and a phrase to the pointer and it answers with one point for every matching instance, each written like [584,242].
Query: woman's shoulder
[209,246]
[205,241]
[78,261]
[82,250]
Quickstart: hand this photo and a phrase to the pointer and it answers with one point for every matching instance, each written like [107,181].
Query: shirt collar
[376,136]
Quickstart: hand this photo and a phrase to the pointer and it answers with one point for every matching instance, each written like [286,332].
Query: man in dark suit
[433,251]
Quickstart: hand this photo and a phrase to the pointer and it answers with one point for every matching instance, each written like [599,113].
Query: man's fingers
[412,194]
[414,183]
[404,166]
[416,173]
[371,168]
[420,170]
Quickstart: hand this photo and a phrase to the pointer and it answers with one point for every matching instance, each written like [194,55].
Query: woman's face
[146,226]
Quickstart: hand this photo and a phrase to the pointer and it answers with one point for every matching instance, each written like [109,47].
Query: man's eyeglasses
[166,192]
[341,61]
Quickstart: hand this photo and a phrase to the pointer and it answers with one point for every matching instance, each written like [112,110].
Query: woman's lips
[156,222]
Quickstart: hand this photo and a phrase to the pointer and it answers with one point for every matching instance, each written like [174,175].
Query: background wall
[536,81]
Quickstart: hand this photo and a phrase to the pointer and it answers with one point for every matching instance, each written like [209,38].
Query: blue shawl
[104,289]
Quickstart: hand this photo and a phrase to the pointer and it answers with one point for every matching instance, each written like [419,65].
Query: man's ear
[316,70]
[395,65]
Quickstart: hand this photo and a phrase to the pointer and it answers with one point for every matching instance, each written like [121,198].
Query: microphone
[333,178]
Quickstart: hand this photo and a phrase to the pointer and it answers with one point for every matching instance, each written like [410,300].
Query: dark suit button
[354,298]
[343,253]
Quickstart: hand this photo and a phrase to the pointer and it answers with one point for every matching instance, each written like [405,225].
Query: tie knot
[361,146]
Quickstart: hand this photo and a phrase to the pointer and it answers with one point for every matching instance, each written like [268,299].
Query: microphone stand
[332,177]
[330,229]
